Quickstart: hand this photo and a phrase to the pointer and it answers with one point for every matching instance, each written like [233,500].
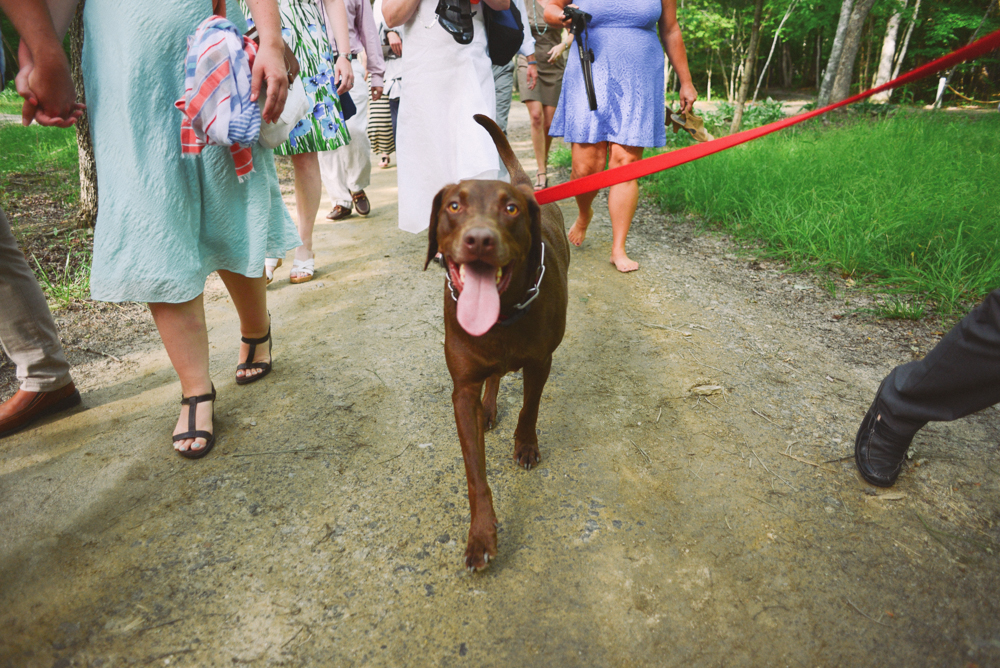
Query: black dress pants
[960,376]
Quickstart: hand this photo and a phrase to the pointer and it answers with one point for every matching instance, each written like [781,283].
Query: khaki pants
[27,332]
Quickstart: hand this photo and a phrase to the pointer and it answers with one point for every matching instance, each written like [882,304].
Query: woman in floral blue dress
[323,129]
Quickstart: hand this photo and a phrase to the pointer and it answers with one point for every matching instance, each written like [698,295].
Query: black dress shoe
[878,452]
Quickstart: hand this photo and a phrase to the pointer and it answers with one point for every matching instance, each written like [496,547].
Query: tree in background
[748,66]
[87,212]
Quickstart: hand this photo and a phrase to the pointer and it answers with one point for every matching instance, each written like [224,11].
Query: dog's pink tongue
[479,302]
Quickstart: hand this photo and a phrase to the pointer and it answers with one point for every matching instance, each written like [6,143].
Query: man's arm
[368,36]
[44,80]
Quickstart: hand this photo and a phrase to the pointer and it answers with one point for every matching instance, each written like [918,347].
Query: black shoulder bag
[504,33]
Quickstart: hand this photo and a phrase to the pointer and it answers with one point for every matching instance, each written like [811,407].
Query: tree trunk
[898,63]
[819,56]
[748,67]
[830,73]
[87,213]
[774,43]
[852,42]
[708,88]
[722,70]
[787,69]
[888,51]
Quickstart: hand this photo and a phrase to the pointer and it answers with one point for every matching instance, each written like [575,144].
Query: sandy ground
[662,527]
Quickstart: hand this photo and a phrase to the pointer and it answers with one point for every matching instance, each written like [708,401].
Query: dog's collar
[520,309]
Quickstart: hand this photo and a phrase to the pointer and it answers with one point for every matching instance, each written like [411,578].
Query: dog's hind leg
[525,437]
[490,401]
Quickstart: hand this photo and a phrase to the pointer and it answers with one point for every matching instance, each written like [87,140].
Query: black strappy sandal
[193,431]
[250,364]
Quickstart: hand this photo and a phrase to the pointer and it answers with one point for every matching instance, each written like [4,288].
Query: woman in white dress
[447,83]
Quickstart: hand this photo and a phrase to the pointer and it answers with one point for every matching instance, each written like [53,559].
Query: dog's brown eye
[453,206]
[512,208]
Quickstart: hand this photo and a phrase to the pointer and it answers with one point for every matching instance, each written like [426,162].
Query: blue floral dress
[324,129]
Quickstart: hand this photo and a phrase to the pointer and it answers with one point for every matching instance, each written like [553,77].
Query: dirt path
[661,528]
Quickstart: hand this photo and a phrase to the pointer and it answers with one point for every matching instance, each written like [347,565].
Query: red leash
[687,154]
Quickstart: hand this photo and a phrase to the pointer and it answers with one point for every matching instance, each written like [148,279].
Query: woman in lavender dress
[628,80]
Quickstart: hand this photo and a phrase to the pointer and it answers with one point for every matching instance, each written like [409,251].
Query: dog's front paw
[526,454]
[480,549]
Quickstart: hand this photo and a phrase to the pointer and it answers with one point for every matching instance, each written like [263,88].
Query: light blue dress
[165,222]
[628,78]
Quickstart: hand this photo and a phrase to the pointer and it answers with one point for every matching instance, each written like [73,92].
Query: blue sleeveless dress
[165,222]
[628,78]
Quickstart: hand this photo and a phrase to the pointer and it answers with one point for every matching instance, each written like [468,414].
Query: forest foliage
[716,33]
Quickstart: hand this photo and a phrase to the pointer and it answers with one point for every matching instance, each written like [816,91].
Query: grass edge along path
[911,201]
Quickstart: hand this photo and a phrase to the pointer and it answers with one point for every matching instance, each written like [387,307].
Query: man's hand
[532,76]
[47,88]
[269,69]
[376,93]
[395,42]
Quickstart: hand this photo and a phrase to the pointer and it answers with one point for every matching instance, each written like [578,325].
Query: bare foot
[624,264]
[202,422]
[578,232]
[262,354]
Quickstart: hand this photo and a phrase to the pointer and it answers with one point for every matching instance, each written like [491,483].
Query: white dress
[437,141]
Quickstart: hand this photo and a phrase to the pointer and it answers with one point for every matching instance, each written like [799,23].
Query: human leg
[587,159]
[308,189]
[623,198]
[185,336]
[959,376]
[29,337]
[347,171]
[539,141]
[503,81]
[250,299]
[27,331]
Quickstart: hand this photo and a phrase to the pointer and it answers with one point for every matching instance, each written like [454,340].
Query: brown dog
[504,310]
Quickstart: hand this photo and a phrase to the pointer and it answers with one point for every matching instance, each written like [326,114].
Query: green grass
[34,148]
[71,284]
[10,101]
[911,201]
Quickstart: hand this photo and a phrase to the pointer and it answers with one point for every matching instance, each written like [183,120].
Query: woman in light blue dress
[628,81]
[165,222]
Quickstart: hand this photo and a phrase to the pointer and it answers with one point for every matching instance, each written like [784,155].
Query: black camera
[580,20]
[455,16]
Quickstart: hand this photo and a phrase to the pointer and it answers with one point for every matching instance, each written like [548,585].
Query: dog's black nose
[480,241]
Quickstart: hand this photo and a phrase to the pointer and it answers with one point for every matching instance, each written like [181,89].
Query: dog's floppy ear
[432,229]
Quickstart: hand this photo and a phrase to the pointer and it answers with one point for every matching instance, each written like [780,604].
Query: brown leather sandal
[193,431]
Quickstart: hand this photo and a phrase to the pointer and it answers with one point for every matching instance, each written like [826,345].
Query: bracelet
[532,62]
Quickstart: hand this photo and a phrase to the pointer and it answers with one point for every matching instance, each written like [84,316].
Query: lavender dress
[628,78]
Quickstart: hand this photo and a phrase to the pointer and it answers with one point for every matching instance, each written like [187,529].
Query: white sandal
[270,264]
[305,270]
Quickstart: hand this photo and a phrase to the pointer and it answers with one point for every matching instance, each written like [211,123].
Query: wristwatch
[349,56]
